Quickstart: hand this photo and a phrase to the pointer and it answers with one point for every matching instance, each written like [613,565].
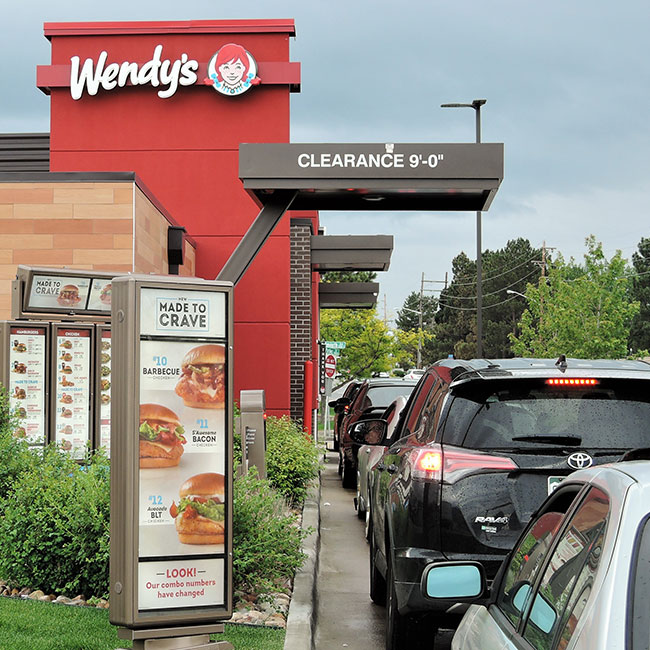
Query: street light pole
[476,105]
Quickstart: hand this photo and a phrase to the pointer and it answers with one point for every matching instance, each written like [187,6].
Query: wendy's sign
[231,71]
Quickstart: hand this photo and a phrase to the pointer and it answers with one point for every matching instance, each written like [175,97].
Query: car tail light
[572,381]
[452,463]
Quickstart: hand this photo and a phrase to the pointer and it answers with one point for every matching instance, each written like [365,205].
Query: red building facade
[144,105]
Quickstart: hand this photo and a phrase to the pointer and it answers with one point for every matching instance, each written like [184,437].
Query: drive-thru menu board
[103,387]
[27,383]
[72,368]
[181,430]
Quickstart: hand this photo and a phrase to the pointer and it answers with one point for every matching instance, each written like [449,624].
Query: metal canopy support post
[259,231]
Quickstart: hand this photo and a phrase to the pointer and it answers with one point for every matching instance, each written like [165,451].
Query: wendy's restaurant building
[140,173]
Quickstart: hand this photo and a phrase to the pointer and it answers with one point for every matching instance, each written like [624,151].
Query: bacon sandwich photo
[69,296]
[203,379]
[161,437]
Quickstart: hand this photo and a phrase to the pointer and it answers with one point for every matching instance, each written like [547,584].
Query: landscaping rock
[36,595]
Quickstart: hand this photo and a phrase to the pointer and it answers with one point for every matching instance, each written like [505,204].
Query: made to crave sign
[182,448]
[171,465]
[231,71]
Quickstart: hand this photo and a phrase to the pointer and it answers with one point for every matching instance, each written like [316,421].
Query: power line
[492,293]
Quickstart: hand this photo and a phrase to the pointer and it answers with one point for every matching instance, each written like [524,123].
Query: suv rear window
[384,395]
[502,414]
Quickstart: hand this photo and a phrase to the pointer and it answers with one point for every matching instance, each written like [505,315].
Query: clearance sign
[171,559]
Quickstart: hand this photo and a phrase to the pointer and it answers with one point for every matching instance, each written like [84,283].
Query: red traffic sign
[330,365]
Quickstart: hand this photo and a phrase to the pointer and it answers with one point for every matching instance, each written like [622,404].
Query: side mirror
[457,581]
[368,432]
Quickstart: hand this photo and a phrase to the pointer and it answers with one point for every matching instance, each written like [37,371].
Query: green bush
[292,458]
[266,537]
[55,527]
[15,455]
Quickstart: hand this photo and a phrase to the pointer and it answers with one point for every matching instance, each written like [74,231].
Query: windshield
[506,414]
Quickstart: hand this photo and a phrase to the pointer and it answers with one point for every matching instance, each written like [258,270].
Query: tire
[348,474]
[340,467]
[377,582]
[404,632]
[367,526]
[361,512]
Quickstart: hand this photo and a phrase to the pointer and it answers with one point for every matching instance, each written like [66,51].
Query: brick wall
[301,309]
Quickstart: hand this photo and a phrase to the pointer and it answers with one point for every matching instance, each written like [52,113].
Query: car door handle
[391,469]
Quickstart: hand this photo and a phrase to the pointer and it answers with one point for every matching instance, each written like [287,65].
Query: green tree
[640,290]
[508,268]
[581,311]
[408,318]
[405,347]
[349,276]
[369,344]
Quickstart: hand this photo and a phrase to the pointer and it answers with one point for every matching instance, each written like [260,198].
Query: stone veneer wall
[301,310]
[81,225]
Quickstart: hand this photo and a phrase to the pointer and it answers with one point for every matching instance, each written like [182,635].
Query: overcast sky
[567,87]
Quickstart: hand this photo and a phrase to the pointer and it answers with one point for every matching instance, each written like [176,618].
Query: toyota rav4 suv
[481,444]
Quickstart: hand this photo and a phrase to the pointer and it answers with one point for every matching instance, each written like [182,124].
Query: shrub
[55,527]
[15,456]
[292,458]
[266,537]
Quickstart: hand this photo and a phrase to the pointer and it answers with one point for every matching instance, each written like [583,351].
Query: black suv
[481,444]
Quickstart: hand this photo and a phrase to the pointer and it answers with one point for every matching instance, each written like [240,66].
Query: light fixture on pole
[512,292]
[476,105]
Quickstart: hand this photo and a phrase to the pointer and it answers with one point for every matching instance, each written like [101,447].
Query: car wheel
[336,444]
[377,582]
[348,475]
[340,468]
[404,632]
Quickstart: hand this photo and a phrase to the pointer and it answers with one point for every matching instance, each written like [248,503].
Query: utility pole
[418,362]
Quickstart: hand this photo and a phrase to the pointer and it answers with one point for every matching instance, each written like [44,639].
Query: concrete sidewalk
[330,607]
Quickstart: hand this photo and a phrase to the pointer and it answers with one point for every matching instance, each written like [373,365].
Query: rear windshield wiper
[548,439]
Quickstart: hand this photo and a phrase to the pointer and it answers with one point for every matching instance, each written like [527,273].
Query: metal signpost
[171,469]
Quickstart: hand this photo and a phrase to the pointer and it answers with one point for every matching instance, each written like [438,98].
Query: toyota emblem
[580,460]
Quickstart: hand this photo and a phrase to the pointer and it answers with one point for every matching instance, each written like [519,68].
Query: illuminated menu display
[182,448]
[105,354]
[27,382]
[69,294]
[72,347]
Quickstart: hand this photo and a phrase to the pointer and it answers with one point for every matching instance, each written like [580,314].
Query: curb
[301,619]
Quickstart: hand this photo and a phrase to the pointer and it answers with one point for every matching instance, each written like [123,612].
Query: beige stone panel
[123,241]
[123,195]
[120,268]
[42,211]
[26,240]
[48,257]
[12,226]
[6,210]
[5,307]
[102,256]
[25,193]
[119,211]
[6,256]
[84,241]
[114,226]
[8,271]
[64,226]
[93,194]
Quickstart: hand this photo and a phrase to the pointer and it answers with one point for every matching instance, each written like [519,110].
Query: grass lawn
[45,626]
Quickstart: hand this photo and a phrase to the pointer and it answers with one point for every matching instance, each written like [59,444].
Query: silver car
[578,577]
[369,455]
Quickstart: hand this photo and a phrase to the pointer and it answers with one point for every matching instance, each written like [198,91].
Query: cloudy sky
[567,87]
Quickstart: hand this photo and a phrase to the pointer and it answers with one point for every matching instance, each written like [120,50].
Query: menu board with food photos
[104,381]
[72,353]
[27,384]
[182,448]
[52,292]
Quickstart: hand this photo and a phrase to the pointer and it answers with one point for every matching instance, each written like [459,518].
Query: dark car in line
[341,406]
[370,401]
[481,444]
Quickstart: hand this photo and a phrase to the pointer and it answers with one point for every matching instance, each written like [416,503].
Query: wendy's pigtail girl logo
[232,70]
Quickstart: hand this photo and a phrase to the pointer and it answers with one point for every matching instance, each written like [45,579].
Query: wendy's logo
[232,70]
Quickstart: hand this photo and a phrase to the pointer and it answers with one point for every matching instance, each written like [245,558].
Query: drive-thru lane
[345,615]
